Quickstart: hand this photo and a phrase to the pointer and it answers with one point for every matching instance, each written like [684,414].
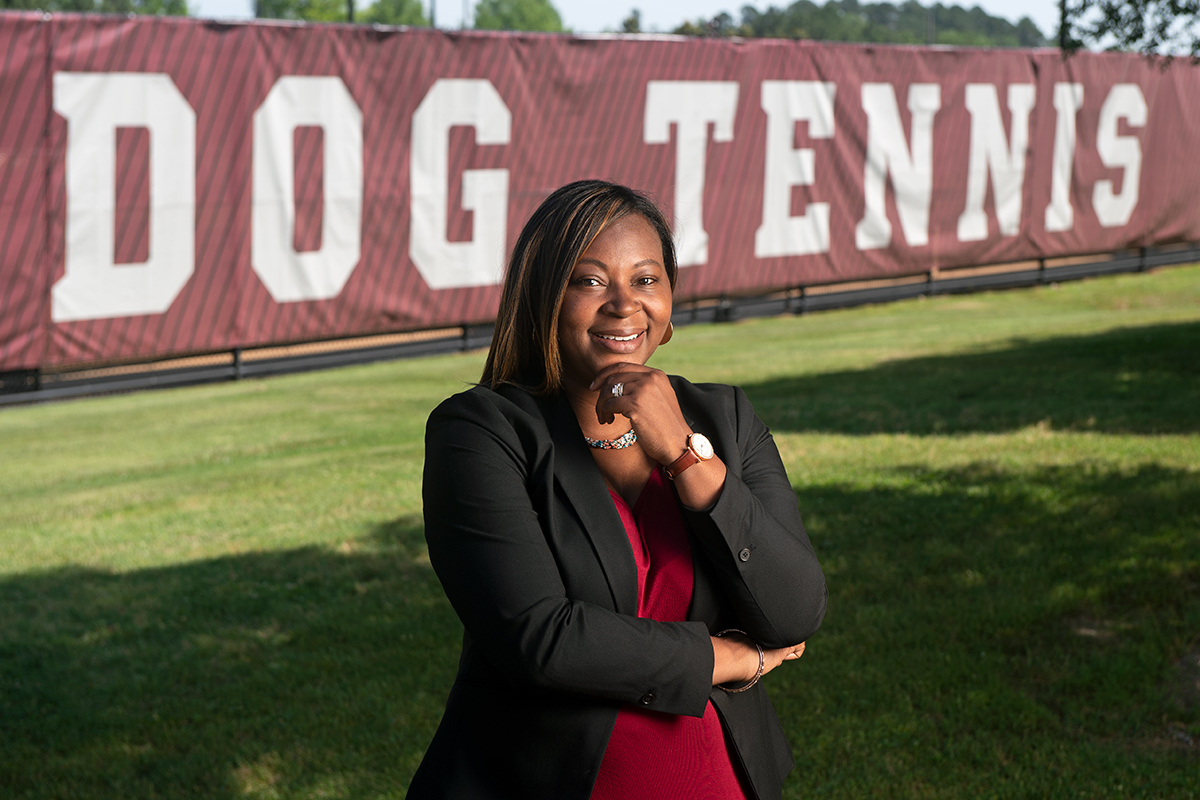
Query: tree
[162,7]
[719,25]
[517,15]
[1144,26]
[396,12]
[175,8]
[309,10]
[852,21]
[632,23]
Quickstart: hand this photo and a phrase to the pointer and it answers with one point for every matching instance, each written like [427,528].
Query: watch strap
[688,459]
[691,456]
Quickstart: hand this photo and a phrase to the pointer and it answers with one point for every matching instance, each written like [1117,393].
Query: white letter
[912,170]
[1068,99]
[691,105]
[1124,100]
[319,275]
[95,105]
[991,153]
[787,102]
[442,263]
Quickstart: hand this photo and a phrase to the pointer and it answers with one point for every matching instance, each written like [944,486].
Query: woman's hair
[524,349]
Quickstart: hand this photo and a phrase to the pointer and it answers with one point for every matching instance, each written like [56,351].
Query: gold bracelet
[762,661]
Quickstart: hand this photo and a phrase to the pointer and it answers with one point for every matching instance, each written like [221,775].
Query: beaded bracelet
[762,662]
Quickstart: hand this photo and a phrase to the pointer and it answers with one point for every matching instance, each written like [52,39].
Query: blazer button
[647,698]
[745,554]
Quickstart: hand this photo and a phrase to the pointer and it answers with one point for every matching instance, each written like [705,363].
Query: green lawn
[223,592]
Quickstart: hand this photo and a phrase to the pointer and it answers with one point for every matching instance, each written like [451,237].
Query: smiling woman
[567,228]
[617,305]
[622,546]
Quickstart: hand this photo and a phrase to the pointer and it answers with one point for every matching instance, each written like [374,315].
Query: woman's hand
[648,400]
[735,658]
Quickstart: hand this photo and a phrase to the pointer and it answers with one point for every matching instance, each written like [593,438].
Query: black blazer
[534,558]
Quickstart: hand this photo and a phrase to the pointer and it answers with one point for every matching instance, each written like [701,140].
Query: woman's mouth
[623,343]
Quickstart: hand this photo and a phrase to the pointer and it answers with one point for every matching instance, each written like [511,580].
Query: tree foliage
[177,8]
[308,10]
[517,15]
[1145,26]
[396,12]
[850,21]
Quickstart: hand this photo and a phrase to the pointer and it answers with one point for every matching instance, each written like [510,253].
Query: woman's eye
[647,280]
[587,281]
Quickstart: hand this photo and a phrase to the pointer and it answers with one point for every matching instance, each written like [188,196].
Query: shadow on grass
[1003,633]
[307,672]
[990,633]
[1131,380]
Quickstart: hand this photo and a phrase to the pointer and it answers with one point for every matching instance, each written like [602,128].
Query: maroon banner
[179,186]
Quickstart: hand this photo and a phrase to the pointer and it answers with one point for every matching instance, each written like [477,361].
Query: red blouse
[652,755]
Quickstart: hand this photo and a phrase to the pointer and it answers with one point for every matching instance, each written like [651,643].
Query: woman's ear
[670,332]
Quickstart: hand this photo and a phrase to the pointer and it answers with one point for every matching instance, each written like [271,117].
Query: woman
[599,527]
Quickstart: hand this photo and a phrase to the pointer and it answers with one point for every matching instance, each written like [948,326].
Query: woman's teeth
[629,338]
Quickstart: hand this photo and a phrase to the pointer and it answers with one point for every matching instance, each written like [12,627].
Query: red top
[652,755]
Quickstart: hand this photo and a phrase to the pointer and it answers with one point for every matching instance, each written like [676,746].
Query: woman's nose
[622,301]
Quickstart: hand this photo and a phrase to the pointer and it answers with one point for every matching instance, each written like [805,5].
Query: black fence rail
[29,386]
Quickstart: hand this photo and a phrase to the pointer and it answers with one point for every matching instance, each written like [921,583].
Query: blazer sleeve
[490,552]
[754,535]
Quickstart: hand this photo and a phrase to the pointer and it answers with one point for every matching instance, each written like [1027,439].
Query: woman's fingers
[604,378]
[618,394]
[776,657]
[736,658]
[648,400]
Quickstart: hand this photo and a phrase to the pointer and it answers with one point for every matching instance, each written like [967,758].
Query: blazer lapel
[576,472]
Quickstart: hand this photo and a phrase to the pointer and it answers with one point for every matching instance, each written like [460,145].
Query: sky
[589,16]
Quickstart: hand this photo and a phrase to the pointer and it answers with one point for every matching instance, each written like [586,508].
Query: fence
[193,189]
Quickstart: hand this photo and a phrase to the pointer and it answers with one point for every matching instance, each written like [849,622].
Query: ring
[618,389]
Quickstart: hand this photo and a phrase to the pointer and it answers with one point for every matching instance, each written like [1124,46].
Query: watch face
[702,446]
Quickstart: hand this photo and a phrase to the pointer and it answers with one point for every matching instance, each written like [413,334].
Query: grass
[223,592]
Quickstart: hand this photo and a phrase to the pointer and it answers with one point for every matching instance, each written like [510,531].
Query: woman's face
[618,301]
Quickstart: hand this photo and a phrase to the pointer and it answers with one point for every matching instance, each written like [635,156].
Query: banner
[176,186]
